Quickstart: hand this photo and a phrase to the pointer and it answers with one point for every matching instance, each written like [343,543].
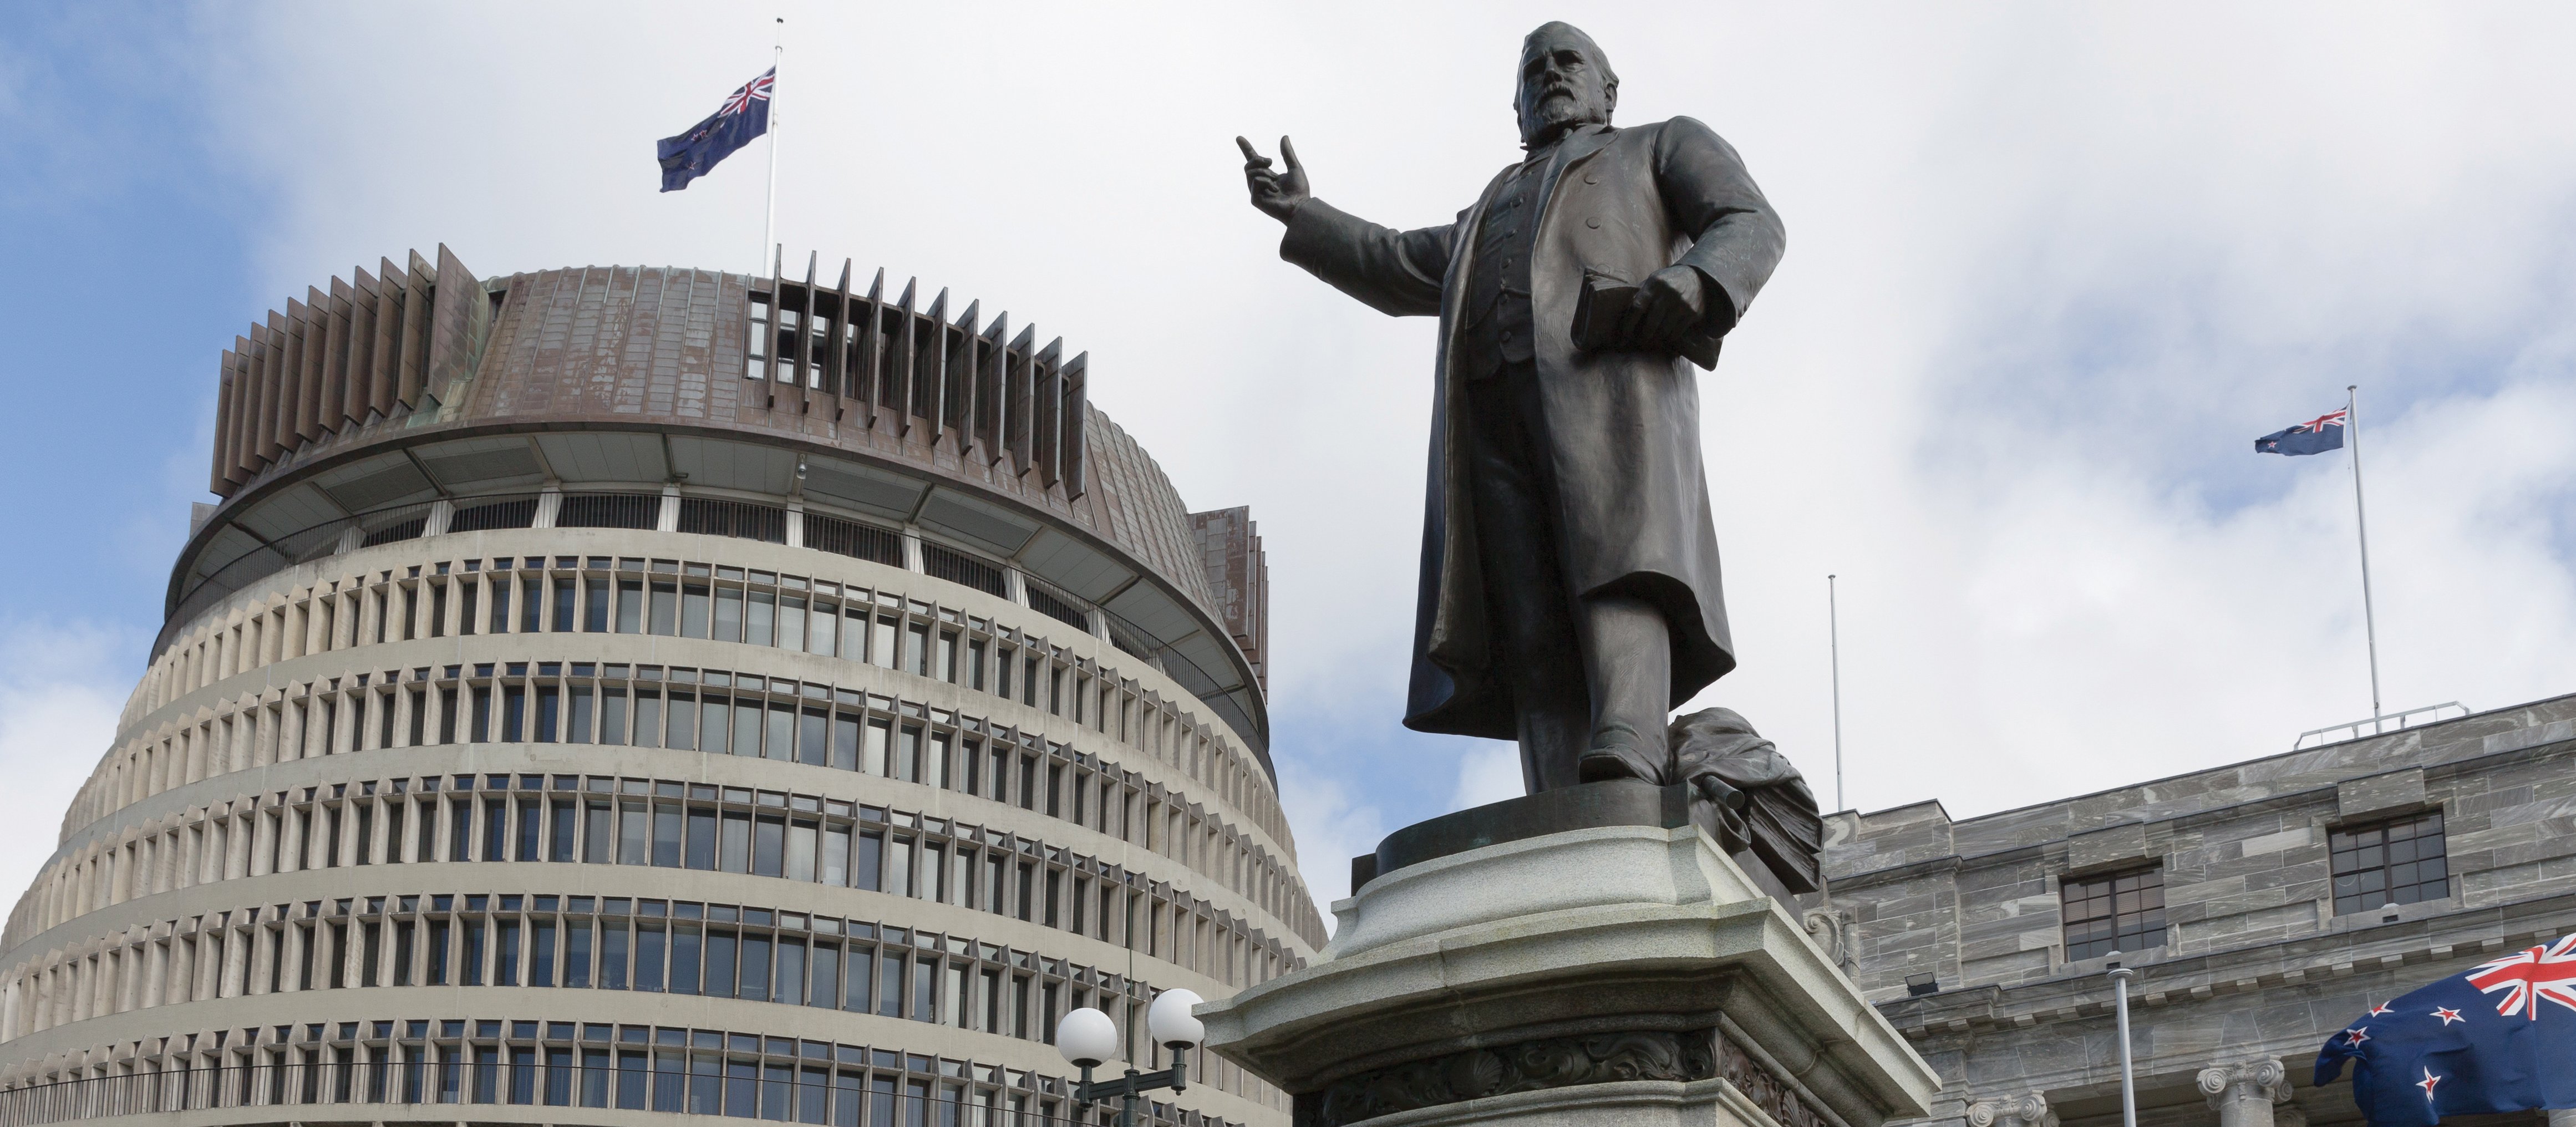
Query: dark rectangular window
[2114,912]
[563,604]
[2401,861]
[594,607]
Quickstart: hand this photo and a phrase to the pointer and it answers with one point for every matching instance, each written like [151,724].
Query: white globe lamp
[1087,1038]
[1171,1023]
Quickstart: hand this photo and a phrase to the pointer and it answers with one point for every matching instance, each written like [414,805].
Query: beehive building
[602,695]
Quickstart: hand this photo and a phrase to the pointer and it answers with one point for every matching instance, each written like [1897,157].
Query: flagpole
[2361,522]
[769,214]
[1834,642]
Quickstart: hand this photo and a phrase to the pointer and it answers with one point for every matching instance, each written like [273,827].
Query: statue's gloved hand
[1277,194]
[1672,302]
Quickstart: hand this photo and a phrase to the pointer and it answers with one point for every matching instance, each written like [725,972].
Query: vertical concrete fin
[461,314]
[1076,381]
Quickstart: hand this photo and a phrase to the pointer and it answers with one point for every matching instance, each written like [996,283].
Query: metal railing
[2381,725]
[740,1089]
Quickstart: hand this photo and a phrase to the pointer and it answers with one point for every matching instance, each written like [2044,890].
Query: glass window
[759,618]
[715,714]
[595,596]
[541,953]
[687,949]
[577,953]
[746,726]
[780,743]
[666,609]
[612,716]
[612,954]
[769,846]
[735,856]
[548,704]
[720,948]
[728,621]
[2114,912]
[532,598]
[666,836]
[633,833]
[800,850]
[630,606]
[755,967]
[682,729]
[845,741]
[2401,861]
[693,611]
[648,956]
[791,623]
[563,604]
[702,837]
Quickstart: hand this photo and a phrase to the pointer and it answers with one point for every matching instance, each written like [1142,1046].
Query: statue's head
[1565,81]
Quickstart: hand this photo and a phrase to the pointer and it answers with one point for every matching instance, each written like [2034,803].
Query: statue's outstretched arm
[1395,272]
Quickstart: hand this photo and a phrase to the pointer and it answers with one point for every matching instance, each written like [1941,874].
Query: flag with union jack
[744,115]
[2500,1038]
[2315,436]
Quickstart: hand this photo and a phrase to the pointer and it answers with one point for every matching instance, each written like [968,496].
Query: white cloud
[60,692]
[2051,269]
[1489,772]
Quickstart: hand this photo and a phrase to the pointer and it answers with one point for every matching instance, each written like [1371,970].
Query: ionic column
[2243,1093]
[2029,1109]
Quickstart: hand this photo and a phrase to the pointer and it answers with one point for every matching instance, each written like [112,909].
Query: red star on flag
[2447,1014]
[2356,1036]
[2380,1010]
[2427,1084]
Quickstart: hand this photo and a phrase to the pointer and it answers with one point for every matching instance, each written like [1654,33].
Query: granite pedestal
[1620,972]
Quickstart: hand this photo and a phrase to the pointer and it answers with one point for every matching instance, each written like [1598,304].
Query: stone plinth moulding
[1626,974]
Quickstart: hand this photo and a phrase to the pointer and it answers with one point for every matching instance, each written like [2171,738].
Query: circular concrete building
[610,694]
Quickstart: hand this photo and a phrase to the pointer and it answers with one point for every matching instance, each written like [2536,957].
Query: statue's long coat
[1621,428]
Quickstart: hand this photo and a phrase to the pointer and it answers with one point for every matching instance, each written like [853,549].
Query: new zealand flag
[693,154]
[2315,436]
[2500,1038]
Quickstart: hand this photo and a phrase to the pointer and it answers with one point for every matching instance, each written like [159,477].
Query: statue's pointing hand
[1277,194]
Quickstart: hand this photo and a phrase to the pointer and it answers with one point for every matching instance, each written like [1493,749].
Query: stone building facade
[2263,906]
[607,695]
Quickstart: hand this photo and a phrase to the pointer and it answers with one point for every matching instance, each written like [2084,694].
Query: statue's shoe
[1619,751]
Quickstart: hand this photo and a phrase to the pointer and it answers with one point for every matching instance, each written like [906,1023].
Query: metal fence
[740,1089]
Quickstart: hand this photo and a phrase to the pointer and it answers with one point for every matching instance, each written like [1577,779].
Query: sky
[2051,269]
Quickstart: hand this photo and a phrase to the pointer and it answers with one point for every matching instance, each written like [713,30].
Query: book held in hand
[1603,301]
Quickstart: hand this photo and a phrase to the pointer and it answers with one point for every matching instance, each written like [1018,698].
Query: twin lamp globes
[1088,1038]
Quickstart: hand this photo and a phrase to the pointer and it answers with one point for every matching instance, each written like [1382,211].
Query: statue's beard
[1558,110]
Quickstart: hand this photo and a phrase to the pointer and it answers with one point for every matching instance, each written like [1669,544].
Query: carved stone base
[1611,975]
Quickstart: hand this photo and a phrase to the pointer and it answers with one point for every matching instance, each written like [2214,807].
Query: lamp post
[2120,977]
[1088,1038]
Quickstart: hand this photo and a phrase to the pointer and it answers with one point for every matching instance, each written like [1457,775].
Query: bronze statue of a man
[1569,592]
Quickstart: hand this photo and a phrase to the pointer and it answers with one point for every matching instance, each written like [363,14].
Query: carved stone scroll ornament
[2029,1109]
[2243,1094]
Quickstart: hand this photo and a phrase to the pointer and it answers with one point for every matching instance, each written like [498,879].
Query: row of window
[2400,861]
[722,712]
[1075,787]
[564,1064]
[632,595]
[590,942]
[671,824]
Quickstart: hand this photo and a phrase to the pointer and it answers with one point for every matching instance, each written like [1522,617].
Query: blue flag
[2315,436]
[693,154]
[2500,1038]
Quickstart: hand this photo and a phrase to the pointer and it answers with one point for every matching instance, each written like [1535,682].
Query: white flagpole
[2361,521]
[1834,639]
[769,215]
